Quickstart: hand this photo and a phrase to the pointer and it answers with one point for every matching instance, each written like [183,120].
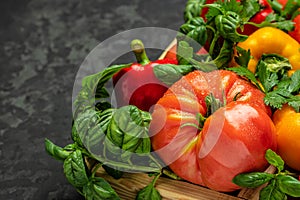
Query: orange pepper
[287,124]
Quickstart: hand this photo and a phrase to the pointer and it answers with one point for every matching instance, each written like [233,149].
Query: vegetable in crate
[287,123]
[137,85]
[209,127]
[270,40]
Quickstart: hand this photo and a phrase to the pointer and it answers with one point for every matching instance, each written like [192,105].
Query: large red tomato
[233,139]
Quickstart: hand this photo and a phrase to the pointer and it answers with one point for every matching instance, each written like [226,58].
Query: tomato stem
[138,49]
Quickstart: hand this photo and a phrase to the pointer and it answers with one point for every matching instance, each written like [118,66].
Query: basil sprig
[116,138]
[279,185]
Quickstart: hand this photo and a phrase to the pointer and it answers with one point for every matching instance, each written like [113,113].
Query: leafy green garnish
[253,179]
[74,169]
[271,77]
[149,192]
[193,9]
[99,188]
[243,56]
[220,29]
[116,138]
[271,191]
[169,74]
[195,29]
[278,186]
[244,72]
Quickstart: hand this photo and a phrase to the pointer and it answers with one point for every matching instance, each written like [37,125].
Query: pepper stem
[138,49]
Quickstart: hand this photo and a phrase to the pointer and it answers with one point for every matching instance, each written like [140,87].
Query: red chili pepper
[137,85]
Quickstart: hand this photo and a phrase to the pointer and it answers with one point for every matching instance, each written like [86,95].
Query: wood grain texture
[128,186]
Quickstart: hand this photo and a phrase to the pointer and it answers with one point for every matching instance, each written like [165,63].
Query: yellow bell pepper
[269,40]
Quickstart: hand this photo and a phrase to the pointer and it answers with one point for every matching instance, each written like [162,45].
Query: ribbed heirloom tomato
[232,140]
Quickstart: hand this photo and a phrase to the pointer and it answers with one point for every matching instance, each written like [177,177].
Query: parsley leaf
[294,101]
[193,9]
[278,97]
[295,82]
[250,8]
[243,56]
[245,72]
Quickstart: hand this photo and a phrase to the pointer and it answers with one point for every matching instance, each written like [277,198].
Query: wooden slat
[128,186]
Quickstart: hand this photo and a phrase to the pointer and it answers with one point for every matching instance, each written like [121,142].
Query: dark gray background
[42,44]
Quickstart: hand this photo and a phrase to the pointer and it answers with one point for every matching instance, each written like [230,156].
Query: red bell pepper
[137,85]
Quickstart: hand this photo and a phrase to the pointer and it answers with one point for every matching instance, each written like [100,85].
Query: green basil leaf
[193,9]
[98,188]
[253,179]
[93,83]
[272,192]
[203,66]
[128,130]
[195,30]
[184,51]
[74,169]
[75,136]
[56,151]
[225,55]
[83,124]
[289,185]
[93,127]
[274,159]
[169,74]
[148,192]
[102,105]
[113,172]
[227,26]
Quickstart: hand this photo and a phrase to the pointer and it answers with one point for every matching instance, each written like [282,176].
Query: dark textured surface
[42,44]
